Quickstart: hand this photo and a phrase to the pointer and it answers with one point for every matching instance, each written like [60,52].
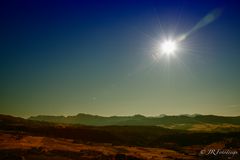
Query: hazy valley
[183,137]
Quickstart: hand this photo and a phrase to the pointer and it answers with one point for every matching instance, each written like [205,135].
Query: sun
[168,47]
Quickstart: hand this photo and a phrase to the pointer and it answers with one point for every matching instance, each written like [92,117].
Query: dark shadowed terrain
[31,139]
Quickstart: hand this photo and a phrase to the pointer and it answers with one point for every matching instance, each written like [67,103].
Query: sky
[98,57]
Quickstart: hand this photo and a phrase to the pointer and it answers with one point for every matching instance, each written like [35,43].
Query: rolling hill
[32,139]
[96,120]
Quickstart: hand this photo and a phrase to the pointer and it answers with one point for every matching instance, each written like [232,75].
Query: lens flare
[209,18]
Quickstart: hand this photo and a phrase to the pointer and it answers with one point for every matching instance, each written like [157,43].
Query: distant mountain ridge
[95,120]
[38,136]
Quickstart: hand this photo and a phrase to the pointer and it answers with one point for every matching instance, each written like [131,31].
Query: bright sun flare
[168,47]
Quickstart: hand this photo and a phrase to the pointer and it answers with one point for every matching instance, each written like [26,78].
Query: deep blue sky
[66,57]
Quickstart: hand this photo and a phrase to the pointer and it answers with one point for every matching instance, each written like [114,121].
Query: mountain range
[129,139]
[140,120]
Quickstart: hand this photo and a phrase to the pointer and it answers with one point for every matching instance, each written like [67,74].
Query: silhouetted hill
[22,137]
[153,136]
[87,119]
